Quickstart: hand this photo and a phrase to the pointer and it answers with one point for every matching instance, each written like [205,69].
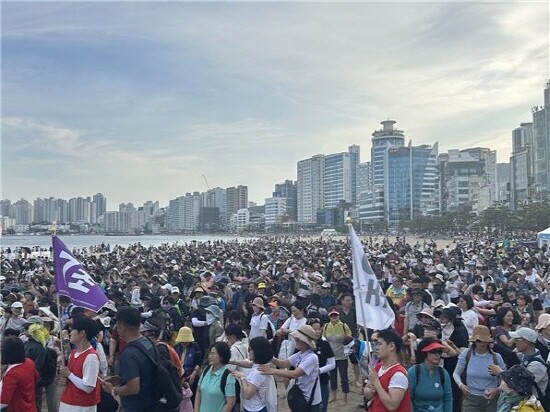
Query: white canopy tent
[544,237]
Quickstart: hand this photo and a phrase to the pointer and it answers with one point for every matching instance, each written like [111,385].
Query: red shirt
[17,387]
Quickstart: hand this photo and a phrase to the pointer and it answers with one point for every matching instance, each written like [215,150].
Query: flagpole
[357,285]
[62,346]
[356,278]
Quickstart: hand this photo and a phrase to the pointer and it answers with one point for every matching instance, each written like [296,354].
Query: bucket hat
[481,333]
[185,335]
[306,334]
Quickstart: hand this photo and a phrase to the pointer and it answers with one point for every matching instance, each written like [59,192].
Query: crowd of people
[218,326]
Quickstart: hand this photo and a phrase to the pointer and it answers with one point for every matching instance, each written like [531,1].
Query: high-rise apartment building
[275,211]
[237,198]
[371,206]
[541,147]
[23,212]
[503,184]
[411,183]
[354,160]
[183,212]
[100,203]
[288,190]
[522,162]
[468,179]
[337,179]
[217,197]
[310,188]
[38,207]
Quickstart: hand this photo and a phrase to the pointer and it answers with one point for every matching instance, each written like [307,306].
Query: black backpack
[167,393]
[49,370]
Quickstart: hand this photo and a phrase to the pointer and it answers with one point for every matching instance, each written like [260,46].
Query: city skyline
[138,101]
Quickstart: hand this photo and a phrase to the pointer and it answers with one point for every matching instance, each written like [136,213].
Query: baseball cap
[527,334]
[175,289]
[16,305]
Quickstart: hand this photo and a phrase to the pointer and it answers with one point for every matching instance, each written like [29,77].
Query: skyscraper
[237,198]
[288,190]
[354,160]
[411,184]
[310,187]
[371,207]
[275,211]
[23,212]
[541,147]
[465,180]
[100,205]
[337,184]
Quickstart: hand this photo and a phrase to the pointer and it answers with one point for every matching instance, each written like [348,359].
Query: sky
[139,100]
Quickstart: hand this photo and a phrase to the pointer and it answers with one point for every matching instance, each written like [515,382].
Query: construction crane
[206,181]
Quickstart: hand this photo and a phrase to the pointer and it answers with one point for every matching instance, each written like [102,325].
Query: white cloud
[274,83]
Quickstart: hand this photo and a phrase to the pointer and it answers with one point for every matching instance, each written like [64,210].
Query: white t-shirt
[309,363]
[258,401]
[293,324]
[257,324]
[398,380]
[471,320]
[239,351]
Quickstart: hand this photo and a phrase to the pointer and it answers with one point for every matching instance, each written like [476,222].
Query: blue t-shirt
[135,364]
[478,374]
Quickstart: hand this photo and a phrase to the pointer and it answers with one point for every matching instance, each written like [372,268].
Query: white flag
[372,307]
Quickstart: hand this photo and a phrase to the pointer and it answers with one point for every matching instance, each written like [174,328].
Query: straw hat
[306,334]
[185,335]
[481,333]
[258,302]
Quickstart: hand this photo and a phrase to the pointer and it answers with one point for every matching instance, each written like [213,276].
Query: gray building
[288,190]
[541,147]
[310,188]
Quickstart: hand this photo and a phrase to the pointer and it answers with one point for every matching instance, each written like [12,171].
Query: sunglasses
[334,315]
[436,352]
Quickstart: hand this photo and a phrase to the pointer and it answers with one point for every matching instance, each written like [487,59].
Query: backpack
[223,383]
[270,332]
[544,398]
[464,375]
[439,369]
[167,394]
[49,370]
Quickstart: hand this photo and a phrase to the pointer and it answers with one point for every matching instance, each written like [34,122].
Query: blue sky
[139,100]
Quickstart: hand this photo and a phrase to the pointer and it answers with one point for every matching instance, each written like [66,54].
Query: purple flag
[73,281]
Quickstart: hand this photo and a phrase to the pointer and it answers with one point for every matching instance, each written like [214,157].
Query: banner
[73,281]
[371,305]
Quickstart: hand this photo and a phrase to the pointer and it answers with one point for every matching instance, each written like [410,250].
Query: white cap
[167,286]
[175,289]
[15,305]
